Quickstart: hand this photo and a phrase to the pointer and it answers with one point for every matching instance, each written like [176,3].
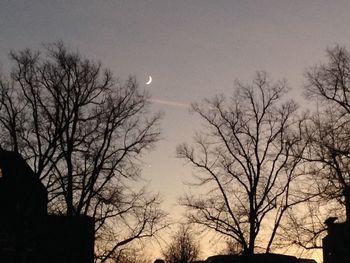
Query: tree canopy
[183,247]
[245,161]
[83,132]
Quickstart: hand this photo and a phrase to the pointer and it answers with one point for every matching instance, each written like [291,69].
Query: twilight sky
[192,48]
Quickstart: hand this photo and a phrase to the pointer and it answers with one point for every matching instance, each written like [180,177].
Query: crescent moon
[149,80]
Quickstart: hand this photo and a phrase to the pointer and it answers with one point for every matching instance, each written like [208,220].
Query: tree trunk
[346,193]
[251,245]
[69,199]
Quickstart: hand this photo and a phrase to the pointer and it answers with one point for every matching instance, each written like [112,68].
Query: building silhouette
[27,233]
[336,245]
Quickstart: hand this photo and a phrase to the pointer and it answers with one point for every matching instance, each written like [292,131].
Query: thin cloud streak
[170,103]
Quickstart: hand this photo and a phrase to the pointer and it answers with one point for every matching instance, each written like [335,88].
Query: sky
[193,49]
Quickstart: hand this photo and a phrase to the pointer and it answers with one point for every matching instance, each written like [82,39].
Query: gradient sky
[192,48]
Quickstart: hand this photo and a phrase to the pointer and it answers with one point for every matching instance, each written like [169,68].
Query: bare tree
[132,255]
[183,247]
[329,131]
[83,133]
[245,163]
[326,133]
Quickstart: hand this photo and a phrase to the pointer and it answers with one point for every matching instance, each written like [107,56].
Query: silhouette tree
[326,133]
[329,130]
[83,133]
[245,160]
[132,255]
[183,247]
